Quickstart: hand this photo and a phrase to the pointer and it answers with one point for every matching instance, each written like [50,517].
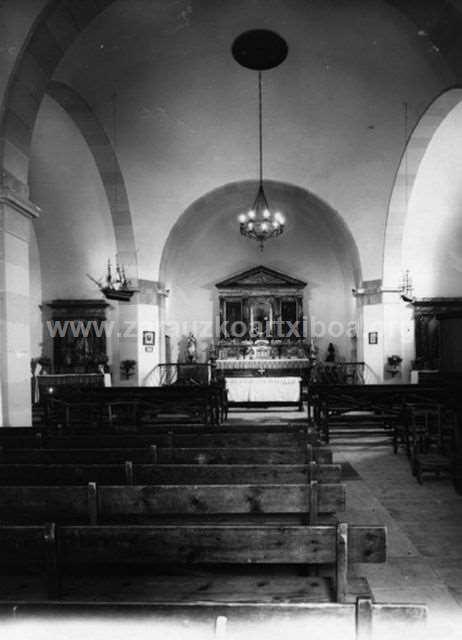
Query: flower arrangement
[394,361]
[43,361]
[127,367]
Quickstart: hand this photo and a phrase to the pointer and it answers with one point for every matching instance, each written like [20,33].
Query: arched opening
[205,247]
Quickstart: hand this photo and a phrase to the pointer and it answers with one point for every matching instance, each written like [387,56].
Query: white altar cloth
[286,389]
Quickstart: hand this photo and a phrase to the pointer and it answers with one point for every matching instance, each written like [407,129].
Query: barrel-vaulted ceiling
[334,115]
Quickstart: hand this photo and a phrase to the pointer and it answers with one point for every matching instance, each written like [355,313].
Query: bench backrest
[95,503]
[163,455]
[69,456]
[129,473]
[143,545]
[260,455]
[93,546]
[180,440]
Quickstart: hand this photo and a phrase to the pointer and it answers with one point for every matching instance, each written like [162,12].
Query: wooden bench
[355,404]
[180,440]
[87,551]
[271,503]
[129,473]
[431,439]
[158,428]
[116,405]
[261,455]
[69,456]
[162,455]
[363,620]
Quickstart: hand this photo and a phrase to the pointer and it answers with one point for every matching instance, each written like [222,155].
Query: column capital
[24,207]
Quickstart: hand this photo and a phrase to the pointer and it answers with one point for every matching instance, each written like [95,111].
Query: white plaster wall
[74,233]
[432,243]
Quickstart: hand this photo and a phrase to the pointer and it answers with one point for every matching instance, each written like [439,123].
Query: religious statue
[191,348]
[330,353]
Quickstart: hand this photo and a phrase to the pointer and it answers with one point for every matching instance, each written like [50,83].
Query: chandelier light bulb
[250,226]
[242,218]
[266,213]
[251,214]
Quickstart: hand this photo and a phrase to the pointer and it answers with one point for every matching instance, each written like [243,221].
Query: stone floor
[424,524]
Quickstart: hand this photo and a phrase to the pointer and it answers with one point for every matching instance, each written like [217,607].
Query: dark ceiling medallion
[259,49]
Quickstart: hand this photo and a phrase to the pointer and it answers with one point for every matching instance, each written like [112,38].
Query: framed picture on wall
[373,337]
[149,338]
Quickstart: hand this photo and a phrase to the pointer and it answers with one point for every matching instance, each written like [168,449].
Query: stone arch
[204,246]
[57,26]
[60,23]
[415,149]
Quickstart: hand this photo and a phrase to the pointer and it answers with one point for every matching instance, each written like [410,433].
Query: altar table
[277,390]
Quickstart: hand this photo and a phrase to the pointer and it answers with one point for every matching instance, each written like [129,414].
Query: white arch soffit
[340,231]
[411,159]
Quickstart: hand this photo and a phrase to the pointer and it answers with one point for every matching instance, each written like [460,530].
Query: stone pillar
[132,320]
[16,217]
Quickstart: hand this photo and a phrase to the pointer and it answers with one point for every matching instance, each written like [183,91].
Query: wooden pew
[282,437]
[432,440]
[287,504]
[162,455]
[116,405]
[363,620]
[129,473]
[180,440]
[157,428]
[93,549]
[376,403]
[261,455]
[85,456]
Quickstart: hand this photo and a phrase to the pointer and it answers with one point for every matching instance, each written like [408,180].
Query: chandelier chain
[260,119]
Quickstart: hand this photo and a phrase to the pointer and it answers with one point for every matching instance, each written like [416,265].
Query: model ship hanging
[115,286]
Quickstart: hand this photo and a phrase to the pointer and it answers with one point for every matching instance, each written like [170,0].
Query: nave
[418,559]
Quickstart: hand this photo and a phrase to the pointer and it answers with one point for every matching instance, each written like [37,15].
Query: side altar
[263,348]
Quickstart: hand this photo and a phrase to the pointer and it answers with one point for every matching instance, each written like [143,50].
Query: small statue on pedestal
[330,353]
[191,348]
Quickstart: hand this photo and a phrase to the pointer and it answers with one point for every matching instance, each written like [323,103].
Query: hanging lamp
[260,50]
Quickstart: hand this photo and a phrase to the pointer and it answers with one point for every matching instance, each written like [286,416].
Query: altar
[264,391]
[263,352]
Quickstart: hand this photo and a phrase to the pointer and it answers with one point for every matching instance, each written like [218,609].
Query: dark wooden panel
[69,456]
[64,474]
[232,474]
[75,474]
[197,544]
[36,505]
[21,545]
[85,504]
[209,439]
[207,499]
[249,455]
[217,544]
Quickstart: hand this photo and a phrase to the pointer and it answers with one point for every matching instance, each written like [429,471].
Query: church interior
[231,318]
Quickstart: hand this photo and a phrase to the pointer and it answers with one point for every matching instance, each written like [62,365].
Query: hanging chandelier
[260,50]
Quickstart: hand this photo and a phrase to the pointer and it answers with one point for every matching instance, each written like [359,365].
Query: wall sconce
[127,368]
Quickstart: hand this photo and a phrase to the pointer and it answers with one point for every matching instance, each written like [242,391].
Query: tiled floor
[424,525]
